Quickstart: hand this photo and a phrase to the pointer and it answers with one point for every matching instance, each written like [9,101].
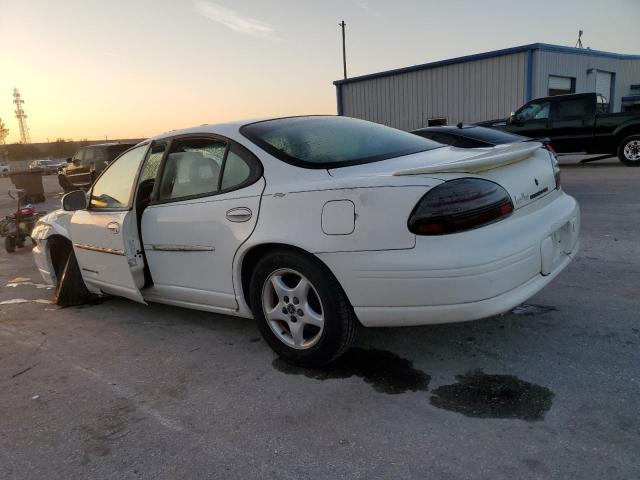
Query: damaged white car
[313,226]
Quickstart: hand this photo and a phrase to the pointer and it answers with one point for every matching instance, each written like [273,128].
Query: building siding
[408,100]
[478,87]
[576,65]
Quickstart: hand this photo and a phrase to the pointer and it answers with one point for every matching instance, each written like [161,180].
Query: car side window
[88,157]
[237,169]
[574,108]
[535,111]
[99,155]
[114,188]
[192,168]
[79,155]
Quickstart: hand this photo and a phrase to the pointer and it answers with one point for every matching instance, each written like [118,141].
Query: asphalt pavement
[550,391]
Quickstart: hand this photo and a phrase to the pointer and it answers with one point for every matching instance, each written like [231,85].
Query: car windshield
[331,141]
[495,137]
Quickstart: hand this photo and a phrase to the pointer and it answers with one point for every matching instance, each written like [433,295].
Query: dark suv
[88,162]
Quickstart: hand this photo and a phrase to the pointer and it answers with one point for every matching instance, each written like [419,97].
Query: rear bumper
[465,276]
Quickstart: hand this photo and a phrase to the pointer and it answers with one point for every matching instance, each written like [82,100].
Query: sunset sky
[133,68]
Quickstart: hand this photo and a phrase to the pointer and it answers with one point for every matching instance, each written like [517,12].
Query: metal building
[487,85]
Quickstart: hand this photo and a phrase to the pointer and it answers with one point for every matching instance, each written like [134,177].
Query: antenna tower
[21,116]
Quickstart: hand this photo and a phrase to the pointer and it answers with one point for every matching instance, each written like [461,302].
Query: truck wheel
[10,244]
[629,151]
[70,288]
[301,310]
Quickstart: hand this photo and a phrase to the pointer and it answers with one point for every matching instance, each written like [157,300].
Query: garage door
[603,84]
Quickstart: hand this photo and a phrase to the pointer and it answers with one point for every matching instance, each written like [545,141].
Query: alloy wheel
[293,309]
[632,150]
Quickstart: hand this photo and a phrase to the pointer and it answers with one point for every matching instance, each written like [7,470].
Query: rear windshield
[489,135]
[330,141]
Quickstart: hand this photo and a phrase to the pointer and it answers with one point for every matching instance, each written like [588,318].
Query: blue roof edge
[494,53]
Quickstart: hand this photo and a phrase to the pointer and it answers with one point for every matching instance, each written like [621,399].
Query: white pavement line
[24,300]
[125,392]
[97,376]
[37,285]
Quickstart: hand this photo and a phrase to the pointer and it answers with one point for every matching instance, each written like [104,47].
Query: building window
[561,85]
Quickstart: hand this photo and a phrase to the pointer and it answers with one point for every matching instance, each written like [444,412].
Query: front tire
[301,310]
[629,151]
[70,287]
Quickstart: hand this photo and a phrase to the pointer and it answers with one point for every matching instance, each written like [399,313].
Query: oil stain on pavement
[386,372]
[493,396]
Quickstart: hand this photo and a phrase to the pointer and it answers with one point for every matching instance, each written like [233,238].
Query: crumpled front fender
[54,223]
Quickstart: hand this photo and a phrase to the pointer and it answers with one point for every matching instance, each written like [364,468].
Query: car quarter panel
[380,218]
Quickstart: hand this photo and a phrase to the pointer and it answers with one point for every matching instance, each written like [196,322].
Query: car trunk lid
[523,169]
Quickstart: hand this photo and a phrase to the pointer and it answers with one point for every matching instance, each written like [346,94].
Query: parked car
[468,136]
[88,162]
[313,226]
[4,169]
[577,123]
[47,167]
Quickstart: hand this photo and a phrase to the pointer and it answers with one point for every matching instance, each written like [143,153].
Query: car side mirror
[76,200]
[514,119]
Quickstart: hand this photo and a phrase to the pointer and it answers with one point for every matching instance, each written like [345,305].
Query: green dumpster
[31,183]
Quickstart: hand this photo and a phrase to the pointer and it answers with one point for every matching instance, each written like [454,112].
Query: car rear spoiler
[498,156]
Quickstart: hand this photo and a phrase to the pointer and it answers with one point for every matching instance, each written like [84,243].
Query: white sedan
[315,225]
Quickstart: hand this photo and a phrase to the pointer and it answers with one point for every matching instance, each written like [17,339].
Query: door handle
[239,214]
[114,227]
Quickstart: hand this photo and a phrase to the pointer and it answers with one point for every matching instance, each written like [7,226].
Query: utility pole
[21,116]
[344,49]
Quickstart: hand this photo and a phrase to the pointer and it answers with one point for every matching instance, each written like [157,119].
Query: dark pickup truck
[577,123]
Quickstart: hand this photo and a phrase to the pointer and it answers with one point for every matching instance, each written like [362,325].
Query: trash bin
[31,183]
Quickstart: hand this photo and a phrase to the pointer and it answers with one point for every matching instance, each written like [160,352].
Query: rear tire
[629,151]
[317,327]
[70,288]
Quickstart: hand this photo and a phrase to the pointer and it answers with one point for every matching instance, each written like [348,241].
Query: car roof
[112,144]
[227,128]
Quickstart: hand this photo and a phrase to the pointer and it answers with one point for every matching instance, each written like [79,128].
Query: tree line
[61,148]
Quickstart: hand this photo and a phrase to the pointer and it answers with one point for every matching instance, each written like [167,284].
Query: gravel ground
[121,390]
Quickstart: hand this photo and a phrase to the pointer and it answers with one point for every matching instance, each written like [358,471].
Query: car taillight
[459,205]
[554,164]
